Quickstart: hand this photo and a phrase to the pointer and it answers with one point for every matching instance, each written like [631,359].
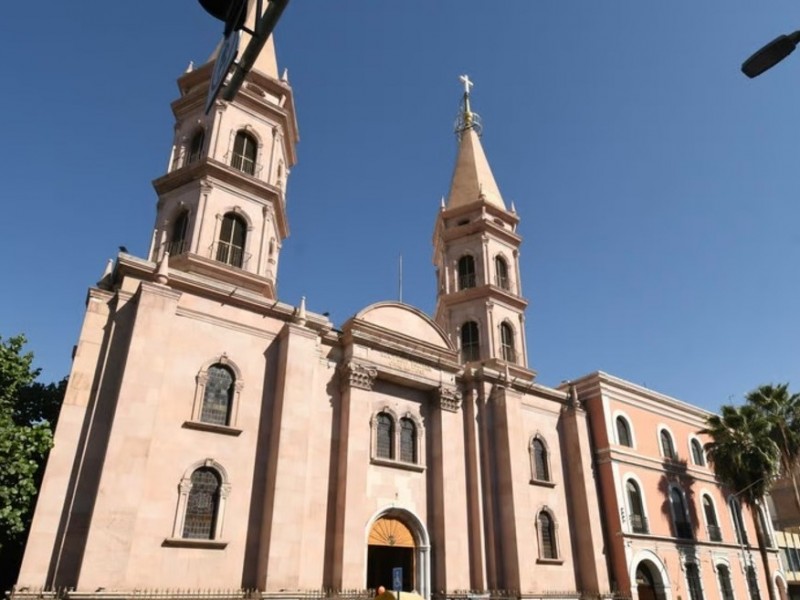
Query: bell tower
[222,203]
[476,253]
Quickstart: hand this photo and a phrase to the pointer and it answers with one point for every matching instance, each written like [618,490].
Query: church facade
[215,438]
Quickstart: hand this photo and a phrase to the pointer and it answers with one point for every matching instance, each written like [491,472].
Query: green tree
[782,410]
[28,411]
[746,459]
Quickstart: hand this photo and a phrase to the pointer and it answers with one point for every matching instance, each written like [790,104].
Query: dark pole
[770,55]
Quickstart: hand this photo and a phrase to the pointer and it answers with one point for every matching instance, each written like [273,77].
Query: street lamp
[771,54]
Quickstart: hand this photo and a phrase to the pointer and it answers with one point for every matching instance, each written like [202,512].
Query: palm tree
[745,458]
[782,410]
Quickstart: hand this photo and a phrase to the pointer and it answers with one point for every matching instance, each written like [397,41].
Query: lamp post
[770,55]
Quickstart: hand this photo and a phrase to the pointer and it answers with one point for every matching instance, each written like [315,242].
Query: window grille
[638,520]
[232,235]
[507,343]
[466,272]
[725,586]
[541,472]
[408,441]
[547,536]
[693,580]
[385,434]
[218,396]
[244,153]
[470,342]
[501,271]
[199,521]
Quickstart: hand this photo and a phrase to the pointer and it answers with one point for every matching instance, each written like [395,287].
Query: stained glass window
[218,396]
[408,441]
[547,535]
[201,505]
[541,472]
[385,431]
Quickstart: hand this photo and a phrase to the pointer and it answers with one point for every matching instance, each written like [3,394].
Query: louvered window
[218,396]
[385,433]
[408,441]
[199,522]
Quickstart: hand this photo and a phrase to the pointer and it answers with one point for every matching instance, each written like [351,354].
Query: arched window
[667,447]
[636,507]
[624,432]
[470,342]
[752,583]
[738,522]
[202,505]
[547,536]
[245,147]
[683,528]
[541,469]
[762,520]
[196,146]
[698,457]
[177,243]
[232,235]
[408,441]
[385,436]
[693,581]
[714,532]
[218,396]
[501,272]
[507,343]
[466,272]
[724,577]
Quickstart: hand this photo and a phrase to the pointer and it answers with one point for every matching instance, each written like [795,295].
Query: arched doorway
[648,582]
[391,544]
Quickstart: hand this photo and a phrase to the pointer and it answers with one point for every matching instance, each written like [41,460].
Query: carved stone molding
[358,376]
[449,398]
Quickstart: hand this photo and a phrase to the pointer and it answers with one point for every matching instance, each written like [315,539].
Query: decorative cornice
[357,375]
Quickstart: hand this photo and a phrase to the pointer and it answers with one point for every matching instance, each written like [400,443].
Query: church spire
[472,178]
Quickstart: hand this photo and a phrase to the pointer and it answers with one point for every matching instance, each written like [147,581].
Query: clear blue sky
[658,187]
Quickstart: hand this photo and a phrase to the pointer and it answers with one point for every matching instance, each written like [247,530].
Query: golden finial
[466,118]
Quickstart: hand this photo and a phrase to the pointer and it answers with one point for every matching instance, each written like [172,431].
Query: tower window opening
[230,247]
[196,146]
[507,343]
[218,396]
[541,470]
[470,342]
[547,537]
[177,243]
[501,273]
[244,153]
[466,272]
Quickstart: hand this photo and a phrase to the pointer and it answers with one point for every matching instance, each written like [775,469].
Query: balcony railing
[243,164]
[683,530]
[466,280]
[509,354]
[229,254]
[714,533]
[176,247]
[639,524]
[503,282]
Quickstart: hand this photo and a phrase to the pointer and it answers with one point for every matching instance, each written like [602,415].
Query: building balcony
[639,524]
[229,254]
[683,531]
[714,533]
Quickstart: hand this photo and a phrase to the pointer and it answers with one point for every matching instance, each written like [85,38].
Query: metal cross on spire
[466,118]
[467,84]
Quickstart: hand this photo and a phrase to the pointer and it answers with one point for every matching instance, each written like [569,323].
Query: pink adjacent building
[673,531]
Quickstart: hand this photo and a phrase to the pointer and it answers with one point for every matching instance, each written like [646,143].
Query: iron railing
[176,247]
[714,533]
[243,163]
[639,524]
[683,530]
[229,254]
